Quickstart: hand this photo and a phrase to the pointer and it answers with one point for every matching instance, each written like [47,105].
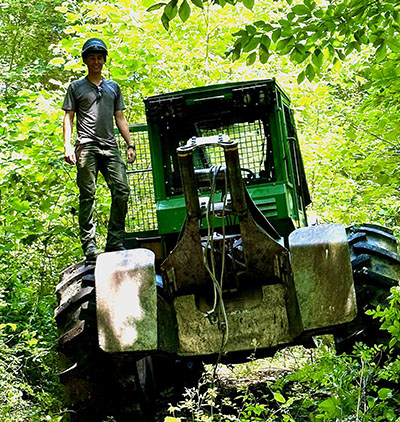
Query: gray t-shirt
[95,108]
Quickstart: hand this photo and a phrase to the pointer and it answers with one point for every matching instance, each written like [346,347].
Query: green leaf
[251,30]
[393,44]
[237,51]
[330,406]
[171,9]
[72,17]
[310,72]
[20,205]
[265,41]
[240,33]
[319,13]
[356,46]
[300,78]
[384,393]
[317,58]
[380,53]
[299,54]
[377,40]
[251,45]
[184,11]
[301,10]
[198,3]
[340,53]
[276,35]
[251,58]
[337,64]
[352,46]
[310,4]
[339,9]
[279,398]
[156,7]
[264,54]
[285,44]
[249,4]
[165,21]
[264,26]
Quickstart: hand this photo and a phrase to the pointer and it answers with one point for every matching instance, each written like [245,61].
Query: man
[96,102]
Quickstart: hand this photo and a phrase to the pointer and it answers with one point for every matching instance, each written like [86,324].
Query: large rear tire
[376,269]
[98,385]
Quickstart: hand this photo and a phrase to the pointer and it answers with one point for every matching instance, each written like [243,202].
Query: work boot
[91,253]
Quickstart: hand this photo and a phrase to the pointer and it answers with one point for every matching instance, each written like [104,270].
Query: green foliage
[36,243]
[390,317]
[354,387]
[26,395]
[350,162]
[26,31]
[312,33]
[330,388]
[36,195]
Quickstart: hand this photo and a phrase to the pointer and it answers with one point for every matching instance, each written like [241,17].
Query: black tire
[376,269]
[98,385]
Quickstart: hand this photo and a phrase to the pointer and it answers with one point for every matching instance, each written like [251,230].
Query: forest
[339,62]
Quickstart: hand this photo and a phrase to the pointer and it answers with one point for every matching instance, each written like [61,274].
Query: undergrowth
[342,388]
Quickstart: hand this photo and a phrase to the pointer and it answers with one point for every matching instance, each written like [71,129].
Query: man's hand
[123,127]
[69,154]
[131,155]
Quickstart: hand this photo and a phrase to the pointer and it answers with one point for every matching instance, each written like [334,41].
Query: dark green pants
[92,158]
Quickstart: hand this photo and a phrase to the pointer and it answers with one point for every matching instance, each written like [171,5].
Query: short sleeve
[69,100]
[119,101]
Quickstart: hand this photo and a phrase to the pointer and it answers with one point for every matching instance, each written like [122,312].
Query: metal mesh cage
[252,144]
[141,207]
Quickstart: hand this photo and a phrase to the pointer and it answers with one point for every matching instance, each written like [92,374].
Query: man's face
[95,62]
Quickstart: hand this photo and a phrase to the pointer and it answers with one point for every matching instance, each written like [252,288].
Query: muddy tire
[376,269]
[98,385]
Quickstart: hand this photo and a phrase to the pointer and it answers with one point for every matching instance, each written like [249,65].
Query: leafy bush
[390,317]
[333,388]
[29,389]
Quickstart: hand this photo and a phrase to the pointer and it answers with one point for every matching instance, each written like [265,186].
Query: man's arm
[69,152]
[123,127]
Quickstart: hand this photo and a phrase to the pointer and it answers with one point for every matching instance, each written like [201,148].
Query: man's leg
[87,170]
[114,172]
